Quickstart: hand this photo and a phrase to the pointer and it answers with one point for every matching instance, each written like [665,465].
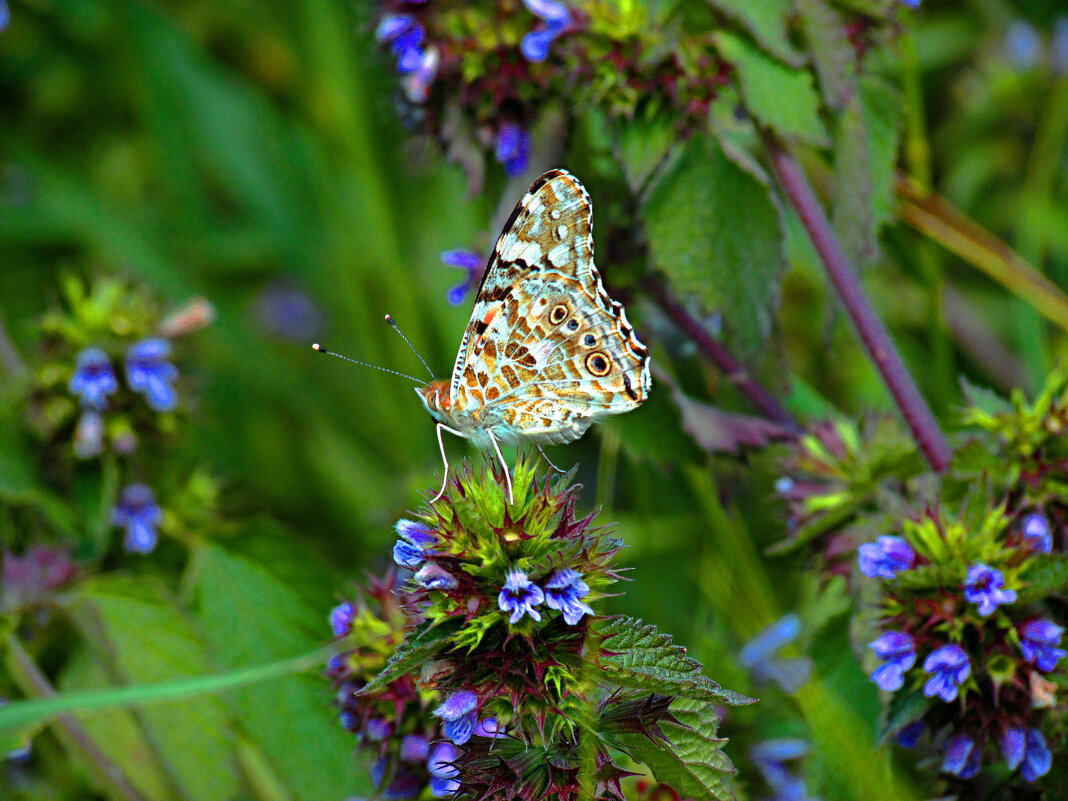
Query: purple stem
[763,400]
[872,332]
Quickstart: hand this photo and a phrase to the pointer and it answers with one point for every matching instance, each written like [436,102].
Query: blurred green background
[251,153]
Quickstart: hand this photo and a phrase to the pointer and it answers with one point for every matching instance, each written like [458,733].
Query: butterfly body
[547,352]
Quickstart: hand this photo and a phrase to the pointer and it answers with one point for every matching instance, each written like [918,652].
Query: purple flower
[1013,744]
[89,434]
[441,766]
[962,756]
[284,311]
[909,736]
[93,378]
[898,650]
[1036,533]
[513,148]
[434,577]
[148,371]
[950,667]
[1037,757]
[556,16]
[563,590]
[985,586]
[1038,641]
[416,533]
[414,748]
[760,655]
[405,786]
[519,596]
[488,727]
[138,513]
[465,260]
[341,619]
[377,729]
[886,557]
[417,81]
[770,756]
[460,712]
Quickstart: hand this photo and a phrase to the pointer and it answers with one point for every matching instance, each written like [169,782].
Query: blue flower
[414,546]
[138,513]
[1058,48]
[441,765]
[1023,46]
[760,655]
[341,619]
[985,586]
[519,596]
[556,16]
[1038,641]
[460,712]
[770,756]
[417,81]
[1036,533]
[488,727]
[513,148]
[414,748]
[886,558]
[89,435]
[962,756]
[563,590]
[93,378]
[910,3]
[898,650]
[909,735]
[349,722]
[434,577]
[950,667]
[405,35]
[148,371]
[1013,744]
[465,260]
[1037,757]
[405,786]
[5,14]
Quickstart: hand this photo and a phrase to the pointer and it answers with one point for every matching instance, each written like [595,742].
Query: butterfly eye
[589,340]
[572,324]
[558,314]
[598,364]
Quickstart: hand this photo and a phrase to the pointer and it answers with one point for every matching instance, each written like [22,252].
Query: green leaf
[637,655]
[250,616]
[644,144]
[423,643]
[852,202]
[714,230]
[780,97]
[138,635]
[832,52]
[692,762]
[882,113]
[767,22]
[1046,576]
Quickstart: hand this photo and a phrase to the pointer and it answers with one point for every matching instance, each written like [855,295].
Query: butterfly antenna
[321,349]
[410,345]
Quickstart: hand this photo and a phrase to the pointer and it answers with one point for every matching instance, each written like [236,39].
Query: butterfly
[546,353]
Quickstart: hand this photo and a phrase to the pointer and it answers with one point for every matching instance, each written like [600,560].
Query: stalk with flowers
[500,679]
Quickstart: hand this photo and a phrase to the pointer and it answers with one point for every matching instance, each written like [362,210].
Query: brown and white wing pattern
[546,352]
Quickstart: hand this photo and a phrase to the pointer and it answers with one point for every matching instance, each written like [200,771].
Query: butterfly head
[435,397]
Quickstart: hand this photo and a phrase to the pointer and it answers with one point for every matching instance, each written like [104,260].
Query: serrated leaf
[766,21]
[251,617]
[644,144]
[693,764]
[714,230]
[832,52]
[984,399]
[852,201]
[637,655]
[717,431]
[782,98]
[138,635]
[423,643]
[882,113]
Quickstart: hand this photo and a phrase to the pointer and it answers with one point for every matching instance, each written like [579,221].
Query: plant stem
[929,437]
[763,400]
[37,683]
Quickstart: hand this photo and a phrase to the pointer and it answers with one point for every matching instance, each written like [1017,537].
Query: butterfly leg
[504,464]
[444,458]
[547,461]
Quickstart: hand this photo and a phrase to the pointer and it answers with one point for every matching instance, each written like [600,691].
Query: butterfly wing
[546,352]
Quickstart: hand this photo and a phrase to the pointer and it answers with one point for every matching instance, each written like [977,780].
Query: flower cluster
[504,665]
